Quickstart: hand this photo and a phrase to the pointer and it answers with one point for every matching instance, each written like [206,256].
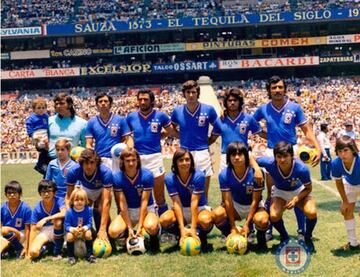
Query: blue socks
[300,217]
[310,225]
[280,227]
[58,240]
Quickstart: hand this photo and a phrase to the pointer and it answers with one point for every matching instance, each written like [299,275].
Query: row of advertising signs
[182,47]
[190,66]
[238,20]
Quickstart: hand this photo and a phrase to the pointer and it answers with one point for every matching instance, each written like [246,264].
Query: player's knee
[151,229]
[311,213]
[261,221]
[219,214]
[205,219]
[58,224]
[114,232]
[167,219]
[275,216]
[88,235]
[34,253]
[70,237]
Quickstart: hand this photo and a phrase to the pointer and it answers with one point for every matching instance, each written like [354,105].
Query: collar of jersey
[196,110]
[186,182]
[42,206]
[92,177]
[291,171]
[282,108]
[350,171]
[147,115]
[17,209]
[235,119]
[105,124]
[243,177]
[132,180]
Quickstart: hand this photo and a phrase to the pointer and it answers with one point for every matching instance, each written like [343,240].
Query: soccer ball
[190,246]
[75,152]
[236,244]
[117,149]
[79,248]
[101,248]
[306,154]
[136,246]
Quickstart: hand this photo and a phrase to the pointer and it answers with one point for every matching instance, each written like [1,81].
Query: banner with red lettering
[40,73]
[271,62]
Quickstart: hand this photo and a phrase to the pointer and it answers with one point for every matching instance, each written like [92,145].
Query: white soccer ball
[136,246]
[117,149]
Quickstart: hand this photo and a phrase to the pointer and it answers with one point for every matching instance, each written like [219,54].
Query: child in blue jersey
[292,187]
[37,126]
[186,187]
[96,179]
[47,221]
[133,187]
[15,221]
[78,223]
[59,168]
[346,172]
[241,196]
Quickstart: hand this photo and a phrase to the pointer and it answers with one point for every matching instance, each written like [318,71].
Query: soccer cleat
[72,260]
[349,247]
[310,246]
[168,237]
[269,235]
[251,237]
[91,259]
[57,258]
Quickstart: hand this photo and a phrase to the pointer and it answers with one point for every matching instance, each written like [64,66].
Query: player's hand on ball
[245,230]
[131,233]
[316,159]
[102,235]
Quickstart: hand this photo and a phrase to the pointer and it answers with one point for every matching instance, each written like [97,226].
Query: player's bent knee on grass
[205,219]
[219,215]
[151,224]
[261,220]
[88,235]
[36,245]
[167,219]
[117,227]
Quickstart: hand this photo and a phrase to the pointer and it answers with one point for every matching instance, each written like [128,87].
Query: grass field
[329,234]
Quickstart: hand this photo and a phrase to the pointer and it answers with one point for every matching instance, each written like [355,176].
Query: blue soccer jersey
[36,122]
[39,211]
[351,176]
[75,218]
[281,123]
[107,134]
[134,187]
[72,129]
[194,127]
[18,220]
[102,177]
[195,184]
[147,130]
[236,129]
[298,176]
[241,188]
[57,173]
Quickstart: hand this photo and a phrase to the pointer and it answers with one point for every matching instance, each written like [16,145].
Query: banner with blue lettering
[200,22]
[185,66]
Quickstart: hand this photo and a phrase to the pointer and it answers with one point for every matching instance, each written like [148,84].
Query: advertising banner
[40,73]
[185,66]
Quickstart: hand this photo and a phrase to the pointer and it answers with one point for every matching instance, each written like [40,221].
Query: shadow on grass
[329,206]
[171,249]
[344,253]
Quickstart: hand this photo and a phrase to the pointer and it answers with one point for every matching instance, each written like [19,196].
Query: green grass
[329,234]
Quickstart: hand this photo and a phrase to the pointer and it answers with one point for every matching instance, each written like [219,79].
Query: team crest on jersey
[249,189]
[114,130]
[201,120]
[18,222]
[294,182]
[80,221]
[98,183]
[140,189]
[154,127]
[288,117]
[242,127]
[65,171]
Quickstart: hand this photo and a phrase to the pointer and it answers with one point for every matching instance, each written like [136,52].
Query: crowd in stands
[333,100]
[19,13]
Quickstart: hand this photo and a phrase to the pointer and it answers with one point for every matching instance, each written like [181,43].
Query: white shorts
[223,164]
[187,212]
[352,192]
[135,213]
[48,231]
[284,194]
[154,163]
[269,152]
[112,164]
[202,161]
[93,194]
[243,210]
